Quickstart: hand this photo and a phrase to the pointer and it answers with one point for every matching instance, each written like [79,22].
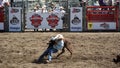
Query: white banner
[43,20]
[101,25]
[15,19]
[76,19]
[1,25]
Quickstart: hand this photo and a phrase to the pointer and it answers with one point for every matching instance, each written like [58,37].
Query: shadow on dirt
[39,62]
[77,58]
[66,59]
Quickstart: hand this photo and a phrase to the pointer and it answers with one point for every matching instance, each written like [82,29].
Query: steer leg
[70,50]
[63,50]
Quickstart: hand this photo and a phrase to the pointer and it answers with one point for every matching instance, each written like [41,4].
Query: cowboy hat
[59,36]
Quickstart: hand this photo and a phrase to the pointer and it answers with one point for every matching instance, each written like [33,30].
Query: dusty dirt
[91,50]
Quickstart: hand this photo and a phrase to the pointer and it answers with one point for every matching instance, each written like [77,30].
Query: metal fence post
[23,16]
[6,20]
[84,16]
[118,13]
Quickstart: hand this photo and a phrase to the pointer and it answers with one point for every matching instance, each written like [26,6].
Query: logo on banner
[105,25]
[36,20]
[76,20]
[13,10]
[53,20]
[90,25]
[14,20]
[76,10]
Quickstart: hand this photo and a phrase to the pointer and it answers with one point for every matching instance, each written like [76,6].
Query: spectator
[105,3]
[117,2]
[62,11]
[63,16]
[36,8]
[44,10]
[102,2]
[96,3]
[110,2]
[3,2]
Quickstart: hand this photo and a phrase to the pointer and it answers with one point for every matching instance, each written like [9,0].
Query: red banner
[1,18]
[1,14]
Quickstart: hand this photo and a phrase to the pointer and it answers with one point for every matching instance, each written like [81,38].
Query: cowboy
[102,3]
[53,48]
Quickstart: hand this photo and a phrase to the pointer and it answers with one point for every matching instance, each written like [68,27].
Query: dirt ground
[91,50]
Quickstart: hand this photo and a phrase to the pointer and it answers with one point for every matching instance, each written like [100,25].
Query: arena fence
[97,18]
[102,18]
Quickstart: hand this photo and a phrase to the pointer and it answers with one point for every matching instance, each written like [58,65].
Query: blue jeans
[51,51]
[48,52]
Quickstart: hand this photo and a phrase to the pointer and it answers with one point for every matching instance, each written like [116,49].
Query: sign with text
[44,20]
[76,19]
[15,19]
[101,26]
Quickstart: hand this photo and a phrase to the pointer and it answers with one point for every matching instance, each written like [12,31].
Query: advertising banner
[1,18]
[101,26]
[43,20]
[15,19]
[102,19]
[1,25]
[76,19]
